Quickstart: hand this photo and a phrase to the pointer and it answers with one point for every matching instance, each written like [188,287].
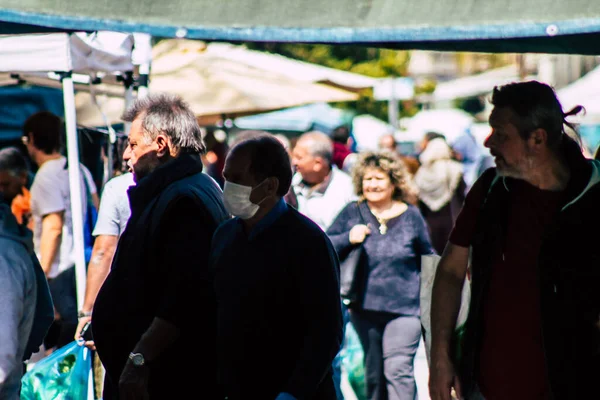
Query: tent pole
[74,185]
[142,57]
[129,98]
[143,81]
[393,104]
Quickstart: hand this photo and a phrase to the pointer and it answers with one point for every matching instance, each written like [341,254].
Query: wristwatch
[137,359]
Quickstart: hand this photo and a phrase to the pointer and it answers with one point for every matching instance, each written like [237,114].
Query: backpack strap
[489,182]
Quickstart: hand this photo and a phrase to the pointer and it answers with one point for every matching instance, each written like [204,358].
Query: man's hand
[133,383]
[442,378]
[358,233]
[88,343]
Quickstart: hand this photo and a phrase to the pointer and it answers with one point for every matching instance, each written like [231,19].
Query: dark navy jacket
[569,278]
[279,313]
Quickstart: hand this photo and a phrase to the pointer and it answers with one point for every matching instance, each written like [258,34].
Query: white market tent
[293,69]
[451,122]
[584,91]
[476,85]
[367,130]
[91,54]
[218,79]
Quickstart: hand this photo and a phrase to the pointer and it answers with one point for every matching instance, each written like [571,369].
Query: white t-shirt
[50,193]
[323,207]
[114,206]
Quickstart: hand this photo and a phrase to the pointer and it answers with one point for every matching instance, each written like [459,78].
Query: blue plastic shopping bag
[63,375]
[353,362]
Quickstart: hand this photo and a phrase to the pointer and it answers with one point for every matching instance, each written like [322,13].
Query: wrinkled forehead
[304,146]
[503,116]
[373,171]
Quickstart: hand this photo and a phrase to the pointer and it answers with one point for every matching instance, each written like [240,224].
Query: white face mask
[237,200]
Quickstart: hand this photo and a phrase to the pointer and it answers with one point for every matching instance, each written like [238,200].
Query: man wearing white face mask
[276,278]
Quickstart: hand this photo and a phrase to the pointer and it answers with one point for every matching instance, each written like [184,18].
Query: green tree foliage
[369,61]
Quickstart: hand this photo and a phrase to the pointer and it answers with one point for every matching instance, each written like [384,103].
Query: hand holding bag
[63,375]
[353,273]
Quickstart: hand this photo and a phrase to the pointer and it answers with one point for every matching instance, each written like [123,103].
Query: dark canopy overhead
[543,26]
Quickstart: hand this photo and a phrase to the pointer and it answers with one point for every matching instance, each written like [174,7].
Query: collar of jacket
[181,167]
[581,169]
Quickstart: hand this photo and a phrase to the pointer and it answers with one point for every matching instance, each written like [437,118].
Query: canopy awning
[223,82]
[78,52]
[475,85]
[543,26]
[585,92]
[93,53]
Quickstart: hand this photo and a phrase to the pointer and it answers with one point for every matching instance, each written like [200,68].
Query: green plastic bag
[63,375]
[353,362]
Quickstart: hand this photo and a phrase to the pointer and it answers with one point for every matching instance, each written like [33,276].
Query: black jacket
[160,269]
[569,276]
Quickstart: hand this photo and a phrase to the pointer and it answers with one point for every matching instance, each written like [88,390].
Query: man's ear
[319,164]
[163,145]
[538,138]
[272,185]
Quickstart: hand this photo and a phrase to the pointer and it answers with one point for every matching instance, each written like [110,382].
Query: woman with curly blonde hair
[394,235]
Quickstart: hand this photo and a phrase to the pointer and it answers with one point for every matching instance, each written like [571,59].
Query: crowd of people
[229,286]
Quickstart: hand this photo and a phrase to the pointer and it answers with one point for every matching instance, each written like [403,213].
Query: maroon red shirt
[511,361]
[340,152]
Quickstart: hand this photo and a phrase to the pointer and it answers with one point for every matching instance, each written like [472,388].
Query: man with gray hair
[320,190]
[159,276]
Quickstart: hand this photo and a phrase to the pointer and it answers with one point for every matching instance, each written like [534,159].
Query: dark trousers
[389,343]
[64,296]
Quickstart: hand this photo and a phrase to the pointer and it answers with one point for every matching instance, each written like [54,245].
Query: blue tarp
[17,103]
[591,136]
[318,116]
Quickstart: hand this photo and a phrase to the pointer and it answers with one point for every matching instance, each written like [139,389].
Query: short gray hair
[321,145]
[171,115]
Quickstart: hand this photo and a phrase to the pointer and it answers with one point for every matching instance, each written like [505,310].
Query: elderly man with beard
[532,330]
[159,280]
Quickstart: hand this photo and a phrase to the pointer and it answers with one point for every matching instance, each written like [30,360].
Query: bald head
[317,144]
[387,142]
[312,156]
